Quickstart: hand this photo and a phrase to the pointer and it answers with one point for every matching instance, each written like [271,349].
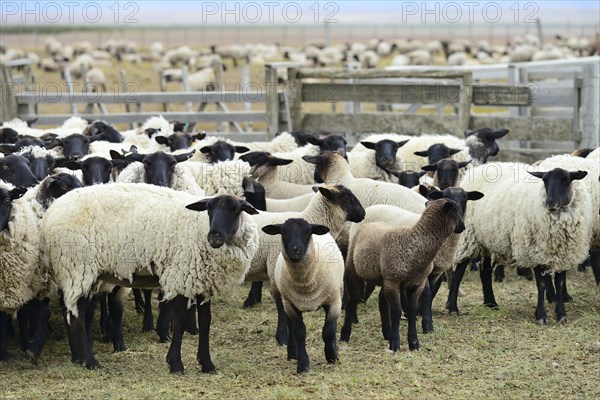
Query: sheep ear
[402,143]
[201,205]
[463,164]
[115,155]
[421,153]
[537,174]
[162,140]
[48,136]
[7,148]
[92,130]
[315,188]
[422,173]
[429,168]
[95,137]
[199,136]
[62,161]
[279,161]
[312,159]
[150,131]
[577,175]
[241,149]
[314,140]
[474,195]
[453,151]
[185,156]
[205,149]
[495,134]
[328,194]
[73,165]
[468,132]
[17,193]
[397,174]
[435,194]
[274,229]
[369,145]
[247,207]
[423,190]
[319,229]
[53,143]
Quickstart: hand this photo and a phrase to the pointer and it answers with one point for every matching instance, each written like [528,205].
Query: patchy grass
[481,354]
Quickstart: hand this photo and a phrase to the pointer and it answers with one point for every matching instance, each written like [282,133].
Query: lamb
[401,259]
[209,268]
[550,230]
[309,274]
[265,169]
[331,206]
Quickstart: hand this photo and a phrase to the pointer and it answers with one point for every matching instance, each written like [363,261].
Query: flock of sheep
[88,212]
[87,62]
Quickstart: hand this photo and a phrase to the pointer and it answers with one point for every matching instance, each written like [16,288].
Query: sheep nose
[215,239]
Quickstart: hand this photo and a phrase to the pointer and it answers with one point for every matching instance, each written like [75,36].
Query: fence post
[590,98]
[295,100]
[272,101]
[464,105]
[8,105]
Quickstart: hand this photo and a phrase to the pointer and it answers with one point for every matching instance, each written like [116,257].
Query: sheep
[592,167]
[376,165]
[47,64]
[209,268]
[401,259]
[203,80]
[545,225]
[265,169]
[446,172]
[522,53]
[179,140]
[95,79]
[71,125]
[81,64]
[458,58]
[14,169]
[75,145]
[297,203]
[225,177]
[107,132]
[8,135]
[332,206]
[368,59]
[95,170]
[309,274]
[41,162]
[220,150]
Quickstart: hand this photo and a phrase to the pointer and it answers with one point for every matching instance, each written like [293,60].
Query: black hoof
[165,339]
[394,345]
[5,357]
[192,331]
[541,321]
[209,368]
[493,306]
[93,365]
[414,346]
[147,329]
[567,298]
[249,303]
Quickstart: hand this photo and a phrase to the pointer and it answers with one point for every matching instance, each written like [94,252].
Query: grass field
[482,354]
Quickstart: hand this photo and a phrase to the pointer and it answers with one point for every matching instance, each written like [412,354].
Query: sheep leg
[115,307]
[4,321]
[525,273]
[281,334]
[40,316]
[89,319]
[138,300]
[23,318]
[499,273]
[454,286]
[75,355]
[192,325]
[148,324]
[104,318]
[425,303]
[392,295]
[412,297]
[255,294]
[204,320]
[368,291]
[81,344]
[300,335]
[540,282]
[559,280]
[179,305]
[550,292]
[292,349]
[353,285]
[485,274]
[384,313]
[329,329]
[595,262]
[567,298]
[165,315]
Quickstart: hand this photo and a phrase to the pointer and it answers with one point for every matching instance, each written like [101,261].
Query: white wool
[363,165]
[36,151]
[182,180]
[21,278]
[102,148]
[299,171]
[592,166]
[70,126]
[123,229]
[512,223]
[282,143]
[594,154]
[224,177]
[297,203]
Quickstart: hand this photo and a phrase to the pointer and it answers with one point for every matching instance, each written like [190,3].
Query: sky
[117,12]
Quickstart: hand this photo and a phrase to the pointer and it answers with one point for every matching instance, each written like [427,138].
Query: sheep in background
[95,80]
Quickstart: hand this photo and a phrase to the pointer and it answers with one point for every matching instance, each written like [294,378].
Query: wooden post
[272,101]
[294,93]
[185,80]
[245,85]
[590,112]
[464,105]
[8,103]
[69,82]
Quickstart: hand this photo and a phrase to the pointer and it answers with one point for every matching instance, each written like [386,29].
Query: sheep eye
[6,167]
[7,200]
[64,187]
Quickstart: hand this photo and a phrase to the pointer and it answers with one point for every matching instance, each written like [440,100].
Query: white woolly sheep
[158,237]
[95,80]
[401,259]
[545,225]
[309,274]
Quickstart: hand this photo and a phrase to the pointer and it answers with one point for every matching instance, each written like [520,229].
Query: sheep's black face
[296,235]
[557,183]
[447,171]
[437,152]
[329,143]
[8,135]
[6,199]
[74,145]
[459,196]
[106,132]
[408,179]
[159,168]
[487,137]
[385,152]
[40,166]
[222,151]
[96,170]
[256,158]
[179,141]
[59,184]
[254,193]
[348,202]
[224,216]
[15,169]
